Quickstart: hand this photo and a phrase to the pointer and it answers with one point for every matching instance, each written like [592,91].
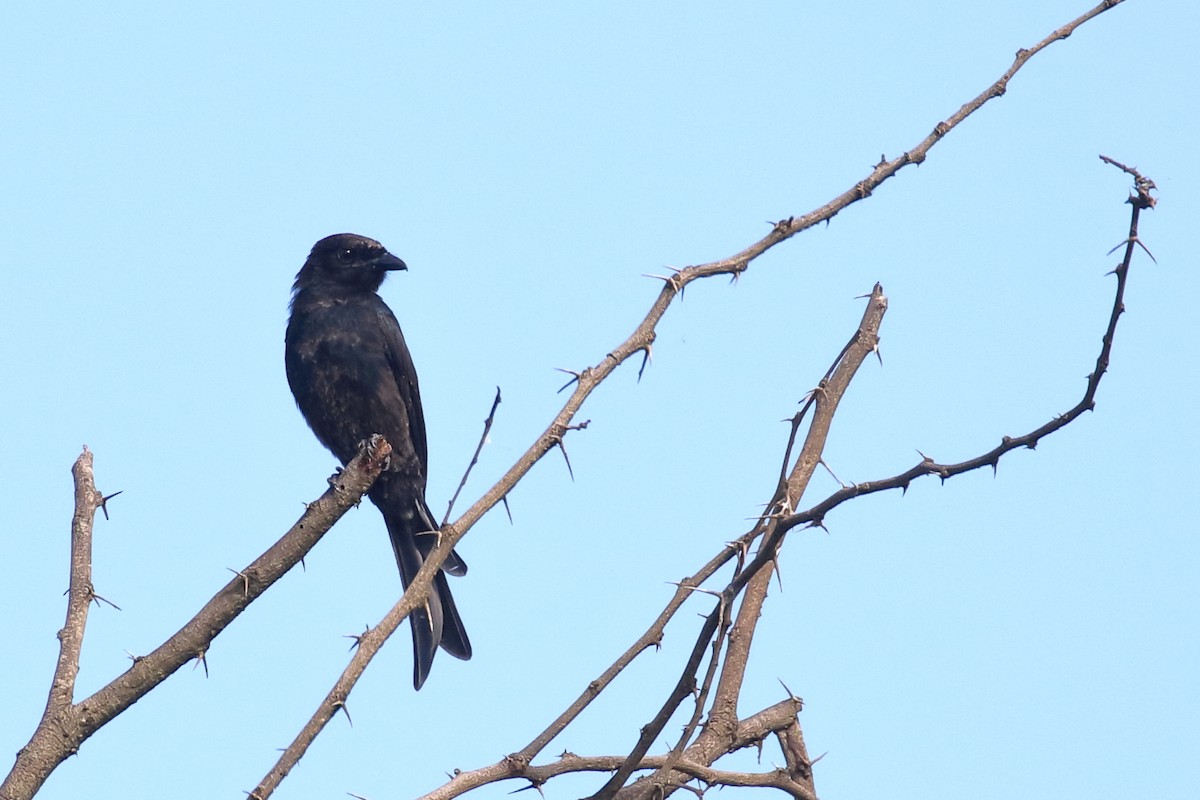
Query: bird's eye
[345,255]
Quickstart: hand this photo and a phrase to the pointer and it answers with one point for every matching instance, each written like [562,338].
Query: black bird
[352,376]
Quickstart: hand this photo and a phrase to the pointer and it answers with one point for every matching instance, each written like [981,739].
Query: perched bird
[352,376]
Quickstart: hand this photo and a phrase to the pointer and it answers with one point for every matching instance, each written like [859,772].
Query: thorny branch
[749,732]
[74,723]
[65,725]
[586,381]
[712,743]
[483,437]
[1140,200]
[80,592]
[754,579]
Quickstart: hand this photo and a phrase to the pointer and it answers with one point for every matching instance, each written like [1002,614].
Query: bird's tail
[414,535]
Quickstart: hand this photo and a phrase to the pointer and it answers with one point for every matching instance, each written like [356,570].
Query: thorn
[926,459]
[1132,240]
[98,599]
[566,458]
[785,506]
[104,500]
[245,580]
[357,637]
[741,546]
[821,461]
[782,225]
[428,613]
[133,658]
[436,533]
[340,705]
[201,658]
[507,510]
[1145,249]
[696,589]
[647,357]
[904,488]
[532,785]
[575,376]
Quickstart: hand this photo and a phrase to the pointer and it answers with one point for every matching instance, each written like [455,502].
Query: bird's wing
[405,376]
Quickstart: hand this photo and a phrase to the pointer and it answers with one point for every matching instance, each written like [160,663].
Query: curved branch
[644,334]
[1140,200]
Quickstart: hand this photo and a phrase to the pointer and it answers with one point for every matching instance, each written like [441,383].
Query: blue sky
[167,169]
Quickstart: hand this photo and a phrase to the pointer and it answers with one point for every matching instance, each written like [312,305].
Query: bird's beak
[388,262]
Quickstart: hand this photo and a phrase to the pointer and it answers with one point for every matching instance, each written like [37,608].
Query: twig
[1140,200]
[38,758]
[81,592]
[487,427]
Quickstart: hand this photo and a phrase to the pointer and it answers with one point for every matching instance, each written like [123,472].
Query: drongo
[352,376]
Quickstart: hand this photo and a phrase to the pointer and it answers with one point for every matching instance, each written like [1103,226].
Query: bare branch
[66,726]
[714,740]
[928,466]
[749,732]
[487,427]
[81,593]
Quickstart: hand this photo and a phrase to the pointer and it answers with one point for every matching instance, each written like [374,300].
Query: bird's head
[347,263]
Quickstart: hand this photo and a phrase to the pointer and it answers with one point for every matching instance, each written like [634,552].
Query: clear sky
[166,168]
